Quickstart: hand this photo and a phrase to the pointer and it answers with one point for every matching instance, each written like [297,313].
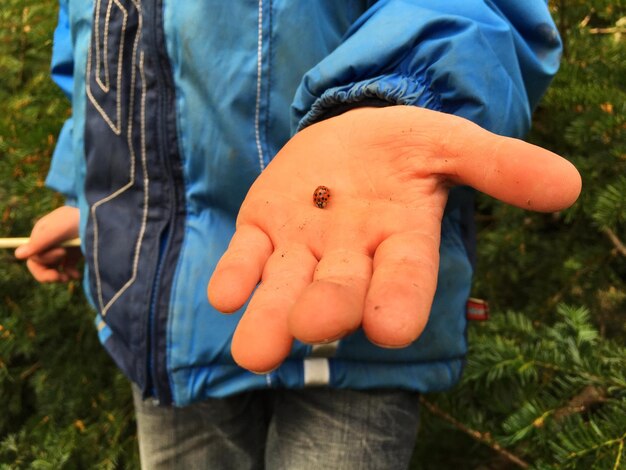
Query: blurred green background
[545,383]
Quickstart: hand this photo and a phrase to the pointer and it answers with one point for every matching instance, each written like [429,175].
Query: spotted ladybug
[321,196]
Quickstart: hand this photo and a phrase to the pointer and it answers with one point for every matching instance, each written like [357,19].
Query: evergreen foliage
[545,382]
[553,396]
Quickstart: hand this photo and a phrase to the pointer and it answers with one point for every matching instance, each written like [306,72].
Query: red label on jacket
[477,309]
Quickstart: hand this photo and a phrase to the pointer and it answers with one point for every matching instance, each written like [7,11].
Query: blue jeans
[315,428]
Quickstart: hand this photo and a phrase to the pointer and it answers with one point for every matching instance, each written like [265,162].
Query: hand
[45,258]
[370,258]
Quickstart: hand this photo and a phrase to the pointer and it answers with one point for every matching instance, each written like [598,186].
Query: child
[180,107]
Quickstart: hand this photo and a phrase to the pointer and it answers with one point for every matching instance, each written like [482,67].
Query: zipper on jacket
[164,89]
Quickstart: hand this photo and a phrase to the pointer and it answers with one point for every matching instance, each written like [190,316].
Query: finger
[262,339]
[44,273]
[402,288]
[332,306]
[49,266]
[508,169]
[240,269]
[51,258]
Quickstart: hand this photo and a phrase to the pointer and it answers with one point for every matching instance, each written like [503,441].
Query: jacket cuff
[384,90]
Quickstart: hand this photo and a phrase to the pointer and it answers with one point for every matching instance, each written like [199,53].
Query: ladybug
[321,196]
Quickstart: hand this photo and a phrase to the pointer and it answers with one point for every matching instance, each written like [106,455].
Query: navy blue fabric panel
[122,356]
[127,185]
[114,184]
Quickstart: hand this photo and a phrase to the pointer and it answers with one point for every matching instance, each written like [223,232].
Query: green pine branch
[549,395]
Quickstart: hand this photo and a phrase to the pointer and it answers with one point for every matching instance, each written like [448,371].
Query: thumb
[51,230]
[508,169]
[37,244]
[23,251]
[518,173]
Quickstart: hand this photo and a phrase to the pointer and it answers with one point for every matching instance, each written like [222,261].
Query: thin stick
[617,243]
[19,241]
[479,436]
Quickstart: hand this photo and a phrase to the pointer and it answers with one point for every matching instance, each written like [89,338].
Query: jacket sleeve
[489,61]
[61,176]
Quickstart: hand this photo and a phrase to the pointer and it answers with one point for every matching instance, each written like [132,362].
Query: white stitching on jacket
[96,33]
[259,66]
[116,128]
[105,46]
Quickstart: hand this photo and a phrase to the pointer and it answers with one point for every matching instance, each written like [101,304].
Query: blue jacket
[179,105]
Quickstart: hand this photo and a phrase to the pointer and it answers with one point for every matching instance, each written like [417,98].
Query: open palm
[369,258]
